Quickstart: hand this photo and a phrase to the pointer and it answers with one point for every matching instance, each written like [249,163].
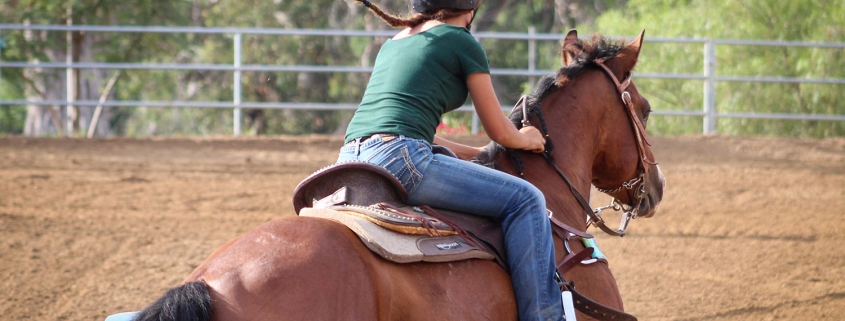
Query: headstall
[594,215]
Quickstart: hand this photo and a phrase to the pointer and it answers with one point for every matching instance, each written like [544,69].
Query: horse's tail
[190,301]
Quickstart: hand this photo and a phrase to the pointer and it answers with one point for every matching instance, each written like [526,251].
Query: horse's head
[624,166]
[597,123]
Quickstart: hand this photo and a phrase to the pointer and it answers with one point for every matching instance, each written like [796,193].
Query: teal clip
[591,242]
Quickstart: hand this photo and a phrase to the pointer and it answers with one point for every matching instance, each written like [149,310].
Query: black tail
[188,302]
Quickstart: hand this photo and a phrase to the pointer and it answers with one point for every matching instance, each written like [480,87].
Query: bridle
[642,144]
[594,215]
[581,302]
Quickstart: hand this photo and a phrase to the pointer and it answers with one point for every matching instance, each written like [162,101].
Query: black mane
[584,57]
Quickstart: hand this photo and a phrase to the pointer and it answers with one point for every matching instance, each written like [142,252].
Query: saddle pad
[402,248]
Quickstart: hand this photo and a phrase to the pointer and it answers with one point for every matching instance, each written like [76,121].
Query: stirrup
[565,297]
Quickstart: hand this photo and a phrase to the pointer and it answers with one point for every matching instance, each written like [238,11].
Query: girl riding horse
[428,69]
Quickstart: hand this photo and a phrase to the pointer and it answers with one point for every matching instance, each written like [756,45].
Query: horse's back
[300,268]
[290,269]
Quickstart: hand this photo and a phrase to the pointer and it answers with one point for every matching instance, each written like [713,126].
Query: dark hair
[415,19]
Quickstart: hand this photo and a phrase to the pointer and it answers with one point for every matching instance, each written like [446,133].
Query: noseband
[594,215]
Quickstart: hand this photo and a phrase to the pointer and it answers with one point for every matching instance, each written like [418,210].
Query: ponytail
[417,18]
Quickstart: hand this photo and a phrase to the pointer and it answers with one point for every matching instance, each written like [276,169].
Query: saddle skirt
[370,201]
[399,247]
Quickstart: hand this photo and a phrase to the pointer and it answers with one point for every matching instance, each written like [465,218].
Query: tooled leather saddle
[372,195]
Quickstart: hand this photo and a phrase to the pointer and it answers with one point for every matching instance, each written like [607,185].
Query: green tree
[767,19]
[263,86]
[812,21]
[49,84]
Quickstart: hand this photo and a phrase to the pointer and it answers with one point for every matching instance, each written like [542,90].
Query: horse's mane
[587,53]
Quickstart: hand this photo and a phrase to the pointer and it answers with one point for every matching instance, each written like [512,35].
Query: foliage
[808,21]
[12,118]
[741,19]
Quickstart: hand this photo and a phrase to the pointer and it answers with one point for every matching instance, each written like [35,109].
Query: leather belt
[384,138]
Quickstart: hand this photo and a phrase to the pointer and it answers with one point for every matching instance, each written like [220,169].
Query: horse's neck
[572,133]
[572,130]
[559,198]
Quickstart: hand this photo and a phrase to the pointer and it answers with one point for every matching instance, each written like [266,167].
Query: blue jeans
[445,182]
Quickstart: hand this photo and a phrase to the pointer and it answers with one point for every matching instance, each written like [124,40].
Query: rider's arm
[498,127]
[463,151]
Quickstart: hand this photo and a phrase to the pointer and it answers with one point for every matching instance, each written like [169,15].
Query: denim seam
[414,175]
[538,251]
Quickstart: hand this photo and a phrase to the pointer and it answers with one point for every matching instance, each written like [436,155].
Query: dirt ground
[749,228]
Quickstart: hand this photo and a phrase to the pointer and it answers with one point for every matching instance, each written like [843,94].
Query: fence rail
[708,111]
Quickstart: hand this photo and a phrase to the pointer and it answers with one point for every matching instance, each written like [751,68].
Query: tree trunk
[44,85]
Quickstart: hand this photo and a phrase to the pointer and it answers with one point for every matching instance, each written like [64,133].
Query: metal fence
[708,111]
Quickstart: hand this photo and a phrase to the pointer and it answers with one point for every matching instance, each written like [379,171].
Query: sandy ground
[749,228]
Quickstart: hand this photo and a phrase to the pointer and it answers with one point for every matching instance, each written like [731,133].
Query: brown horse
[300,268]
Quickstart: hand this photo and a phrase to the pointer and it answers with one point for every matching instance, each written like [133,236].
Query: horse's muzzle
[655,183]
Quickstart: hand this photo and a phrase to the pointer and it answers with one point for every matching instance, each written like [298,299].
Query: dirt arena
[749,228]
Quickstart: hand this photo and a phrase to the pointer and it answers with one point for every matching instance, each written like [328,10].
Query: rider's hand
[534,140]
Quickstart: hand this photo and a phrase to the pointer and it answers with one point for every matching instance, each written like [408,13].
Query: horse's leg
[464,290]
[597,283]
[594,281]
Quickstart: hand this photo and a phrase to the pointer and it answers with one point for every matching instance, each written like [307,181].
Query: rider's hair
[415,19]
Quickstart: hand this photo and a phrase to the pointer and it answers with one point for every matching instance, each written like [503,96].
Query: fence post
[71,90]
[532,56]
[475,120]
[237,87]
[475,123]
[710,114]
[2,45]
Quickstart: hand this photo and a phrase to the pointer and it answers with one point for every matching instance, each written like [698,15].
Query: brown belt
[384,138]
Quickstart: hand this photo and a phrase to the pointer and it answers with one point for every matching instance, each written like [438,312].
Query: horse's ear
[637,43]
[628,56]
[571,47]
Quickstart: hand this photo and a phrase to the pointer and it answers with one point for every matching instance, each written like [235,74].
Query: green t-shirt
[416,80]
